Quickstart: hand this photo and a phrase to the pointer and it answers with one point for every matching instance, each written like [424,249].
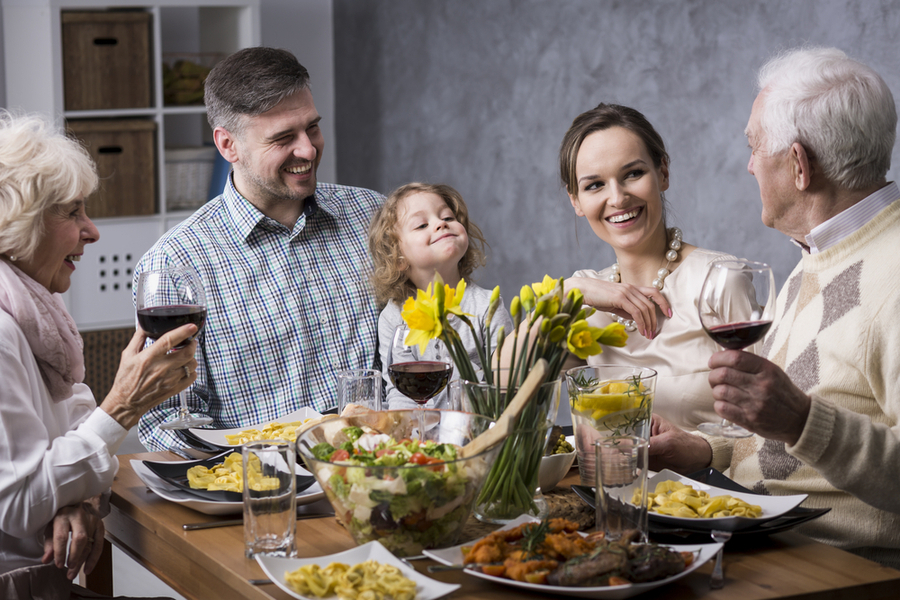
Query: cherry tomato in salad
[339,455]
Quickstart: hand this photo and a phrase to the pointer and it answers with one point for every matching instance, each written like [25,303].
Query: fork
[718,579]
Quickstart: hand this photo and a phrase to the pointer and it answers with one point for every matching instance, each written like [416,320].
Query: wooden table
[210,563]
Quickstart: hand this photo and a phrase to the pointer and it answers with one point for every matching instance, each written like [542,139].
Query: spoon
[718,579]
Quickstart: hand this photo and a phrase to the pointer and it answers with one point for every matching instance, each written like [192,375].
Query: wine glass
[166,300]
[418,376]
[737,303]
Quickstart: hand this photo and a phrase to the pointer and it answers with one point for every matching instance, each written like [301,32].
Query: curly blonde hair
[40,168]
[390,282]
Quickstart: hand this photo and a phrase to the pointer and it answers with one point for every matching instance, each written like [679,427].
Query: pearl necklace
[660,281]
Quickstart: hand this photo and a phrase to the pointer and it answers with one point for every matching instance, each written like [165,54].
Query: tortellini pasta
[676,499]
[229,476]
[369,580]
[272,431]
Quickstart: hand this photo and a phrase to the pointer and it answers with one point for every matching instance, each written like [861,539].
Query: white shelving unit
[100,296]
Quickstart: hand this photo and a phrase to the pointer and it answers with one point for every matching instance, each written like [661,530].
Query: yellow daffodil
[582,340]
[452,299]
[421,314]
[545,287]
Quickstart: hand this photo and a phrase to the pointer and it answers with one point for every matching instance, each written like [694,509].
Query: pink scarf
[48,327]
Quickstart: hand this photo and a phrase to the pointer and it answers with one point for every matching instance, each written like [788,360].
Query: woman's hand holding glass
[148,376]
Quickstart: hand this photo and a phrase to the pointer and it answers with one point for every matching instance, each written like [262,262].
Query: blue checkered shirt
[286,309]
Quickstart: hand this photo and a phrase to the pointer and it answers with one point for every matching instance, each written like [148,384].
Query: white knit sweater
[837,335]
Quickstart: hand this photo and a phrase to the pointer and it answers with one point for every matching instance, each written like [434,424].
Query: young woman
[615,168]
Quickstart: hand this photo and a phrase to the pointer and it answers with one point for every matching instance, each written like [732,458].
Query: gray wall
[478,94]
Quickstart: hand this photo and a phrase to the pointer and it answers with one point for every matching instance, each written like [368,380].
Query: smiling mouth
[299,170]
[621,218]
[73,257]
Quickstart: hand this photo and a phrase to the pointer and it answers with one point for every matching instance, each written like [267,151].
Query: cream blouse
[681,349]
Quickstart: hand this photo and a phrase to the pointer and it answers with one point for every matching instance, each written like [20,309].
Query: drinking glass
[360,387]
[418,376]
[622,463]
[166,300]
[737,303]
[270,497]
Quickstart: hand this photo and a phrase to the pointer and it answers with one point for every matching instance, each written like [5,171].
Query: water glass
[361,387]
[621,485]
[608,400]
[270,498]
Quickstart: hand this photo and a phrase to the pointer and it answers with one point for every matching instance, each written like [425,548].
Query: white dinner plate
[171,493]
[426,588]
[454,556]
[772,506]
[216,437]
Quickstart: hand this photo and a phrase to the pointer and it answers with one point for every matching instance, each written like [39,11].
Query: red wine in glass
[736,306]
[160,320]
[167,299]
[737,336]
[420,380]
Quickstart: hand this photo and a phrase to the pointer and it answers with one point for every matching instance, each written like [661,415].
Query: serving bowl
[553,468]
[409,507]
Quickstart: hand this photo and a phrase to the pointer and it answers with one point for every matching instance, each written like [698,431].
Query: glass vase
[511,487]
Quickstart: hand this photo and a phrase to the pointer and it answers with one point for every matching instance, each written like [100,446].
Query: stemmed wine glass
[166,300]
[737,303]
[419,377]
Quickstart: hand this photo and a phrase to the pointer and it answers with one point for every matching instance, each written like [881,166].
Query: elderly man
[282,257]
[825,402]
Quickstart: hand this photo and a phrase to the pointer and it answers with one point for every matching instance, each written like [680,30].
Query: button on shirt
[286,308]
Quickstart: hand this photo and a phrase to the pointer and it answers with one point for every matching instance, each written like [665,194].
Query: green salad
[408,495]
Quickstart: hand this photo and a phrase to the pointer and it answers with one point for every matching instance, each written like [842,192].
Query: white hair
[840,110]
[40,168]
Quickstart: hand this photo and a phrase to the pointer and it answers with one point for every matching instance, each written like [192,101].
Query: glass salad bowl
[387,482]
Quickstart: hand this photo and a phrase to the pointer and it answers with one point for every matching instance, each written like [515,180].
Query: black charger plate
[175,473]
[792,518]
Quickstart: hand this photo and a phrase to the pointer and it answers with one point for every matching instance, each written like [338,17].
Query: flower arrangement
[556,325]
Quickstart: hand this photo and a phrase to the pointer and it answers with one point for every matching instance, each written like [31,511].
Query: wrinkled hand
[758,395]
[673,448]
[624,300]
[147,376]
[86,527]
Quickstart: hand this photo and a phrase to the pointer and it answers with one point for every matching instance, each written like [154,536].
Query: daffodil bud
[545,327]
[501,336]
[527,297]
[540,308]
[495,304]
[557,334]
[495,295]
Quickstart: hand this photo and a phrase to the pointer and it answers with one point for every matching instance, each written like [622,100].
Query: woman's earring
[12,258]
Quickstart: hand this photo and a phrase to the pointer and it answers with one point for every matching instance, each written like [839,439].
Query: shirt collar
[247,218]
[827,234]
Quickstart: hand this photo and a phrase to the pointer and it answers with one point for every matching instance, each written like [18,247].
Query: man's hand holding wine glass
[756,394]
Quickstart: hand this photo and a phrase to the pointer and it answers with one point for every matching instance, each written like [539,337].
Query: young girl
[422,229]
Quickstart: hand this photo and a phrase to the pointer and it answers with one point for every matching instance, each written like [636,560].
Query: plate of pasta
[283,427]
[171,493]
[219,478]
[367,567]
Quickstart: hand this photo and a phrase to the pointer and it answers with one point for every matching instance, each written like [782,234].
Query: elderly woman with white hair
[57,460]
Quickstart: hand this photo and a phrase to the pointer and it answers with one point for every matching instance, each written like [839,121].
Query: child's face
[431,239]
